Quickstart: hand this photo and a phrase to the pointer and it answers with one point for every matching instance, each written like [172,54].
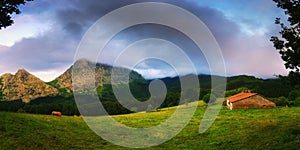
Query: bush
[297,101]
[294,97]
[208,97]
[281,101]
[294,94]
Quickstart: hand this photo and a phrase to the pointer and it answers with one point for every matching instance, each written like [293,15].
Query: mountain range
[27,87]
[23,92]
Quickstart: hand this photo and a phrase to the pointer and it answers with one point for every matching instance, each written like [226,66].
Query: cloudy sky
[45,37]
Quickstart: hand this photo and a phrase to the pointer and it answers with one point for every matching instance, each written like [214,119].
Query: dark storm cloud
[82,14]
[85,13]
[72,20]
[146,31]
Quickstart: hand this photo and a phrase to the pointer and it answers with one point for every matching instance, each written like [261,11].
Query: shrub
[281,101]
[294,94]
[208,97]
[297,101]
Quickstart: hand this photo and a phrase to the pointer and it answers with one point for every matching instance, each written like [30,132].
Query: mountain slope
[25,86]
[102,76]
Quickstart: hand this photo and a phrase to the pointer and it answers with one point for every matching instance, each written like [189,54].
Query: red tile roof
[240,96]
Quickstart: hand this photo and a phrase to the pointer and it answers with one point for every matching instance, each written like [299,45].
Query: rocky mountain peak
[83,68]
[82,62]
[23,74]
[22,71]
[25,86]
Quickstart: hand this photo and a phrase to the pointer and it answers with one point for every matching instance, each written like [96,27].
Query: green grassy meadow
[277,128]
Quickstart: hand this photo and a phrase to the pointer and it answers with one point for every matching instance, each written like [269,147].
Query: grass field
[277,128]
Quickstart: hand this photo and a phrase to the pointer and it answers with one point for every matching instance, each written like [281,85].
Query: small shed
[246,99]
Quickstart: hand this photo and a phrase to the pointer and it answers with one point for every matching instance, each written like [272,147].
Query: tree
[7,8]
[289,44]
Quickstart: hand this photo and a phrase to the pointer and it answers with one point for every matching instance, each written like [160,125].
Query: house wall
[255,101]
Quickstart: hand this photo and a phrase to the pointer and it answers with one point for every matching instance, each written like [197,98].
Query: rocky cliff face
[25,86]
[101,76]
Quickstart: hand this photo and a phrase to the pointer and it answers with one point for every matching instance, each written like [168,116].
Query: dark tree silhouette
[7,8]
[289,44]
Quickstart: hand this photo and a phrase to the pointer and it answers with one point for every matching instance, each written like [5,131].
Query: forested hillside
[277,90]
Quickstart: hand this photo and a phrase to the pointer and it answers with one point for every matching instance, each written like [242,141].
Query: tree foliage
[289,44]
[7,8]
[281,101]
[209,98]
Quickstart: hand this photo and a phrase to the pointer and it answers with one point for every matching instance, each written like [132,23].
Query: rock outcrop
[25,86]
[101,75]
